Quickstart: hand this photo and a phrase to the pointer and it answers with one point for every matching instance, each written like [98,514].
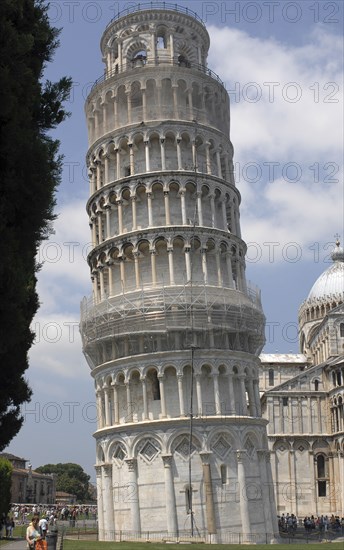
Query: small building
[29,486]
[64,499]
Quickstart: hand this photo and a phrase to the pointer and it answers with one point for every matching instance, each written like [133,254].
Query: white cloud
[306,132]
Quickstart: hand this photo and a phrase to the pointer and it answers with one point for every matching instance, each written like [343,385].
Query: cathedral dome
[331,282]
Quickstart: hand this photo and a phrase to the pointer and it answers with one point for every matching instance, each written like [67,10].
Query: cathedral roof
[331,282]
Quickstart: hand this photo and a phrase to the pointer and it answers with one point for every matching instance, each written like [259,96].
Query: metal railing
[133,65]
[146,6]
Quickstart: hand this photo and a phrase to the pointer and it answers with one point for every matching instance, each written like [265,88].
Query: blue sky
[282,64]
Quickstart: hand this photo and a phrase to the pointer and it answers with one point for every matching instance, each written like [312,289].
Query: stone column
[209,496]
[129,417]
[128,106]
[257,396]
[233,220]
[115,404]
[100,504]
[218,160]
[216,393]
[244,509]
[204,264]
[170,264]
[251,398]
[179,154]
[106,169]
[144,397]
[104,114]
[292,493]
[101,281]
[167,208]
[231,394]
[147,156]
[133,495]
[115,111]
[93,181]
[161,378]
[93,230]
[137,269]
[120,216]
[150,211]
[131,159]
[182,203]
[171,512]
[162,153]
[199,208]
[107,406]
[175,100]
[218,267]
[180,378]
[199,394]
[187,263]
[122,272]
[109,523]
[153,266]
[207,156]
[108,226]
[133,211]
[268,499]
[99,409]
[229,269]
[118,164]
[242,396]
[100,228]
[144,104]
[224,215]
[271,491]
[212,209]
[189,91]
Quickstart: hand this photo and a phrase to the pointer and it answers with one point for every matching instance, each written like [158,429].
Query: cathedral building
[173,332]
[303,400]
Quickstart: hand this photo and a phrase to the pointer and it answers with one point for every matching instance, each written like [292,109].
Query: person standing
[43,527]
[32,533]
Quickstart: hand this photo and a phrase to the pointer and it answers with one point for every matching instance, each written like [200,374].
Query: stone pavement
[16,544]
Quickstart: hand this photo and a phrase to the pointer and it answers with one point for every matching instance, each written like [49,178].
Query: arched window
[321,466]
[334,378]
[339,378]
[153,377]
[341,330]
[321,475]
[161,40]
[223,469]
[316,385]
[271,377]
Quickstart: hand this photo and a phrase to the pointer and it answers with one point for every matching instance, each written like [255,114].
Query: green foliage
[6,469]
[30,173]
[71,478]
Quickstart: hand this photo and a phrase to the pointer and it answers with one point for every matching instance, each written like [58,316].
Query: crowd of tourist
[21,514]
[289,523]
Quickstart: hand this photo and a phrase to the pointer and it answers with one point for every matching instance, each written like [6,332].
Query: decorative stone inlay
[249,447]
[119,453]
[149,451]
[183,448]
[221,447]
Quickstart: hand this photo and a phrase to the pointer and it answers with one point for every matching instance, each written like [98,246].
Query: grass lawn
[92,545]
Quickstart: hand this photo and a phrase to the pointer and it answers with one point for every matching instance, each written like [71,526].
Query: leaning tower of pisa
[172,332]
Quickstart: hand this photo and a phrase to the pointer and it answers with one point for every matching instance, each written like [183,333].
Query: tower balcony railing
[145,6]
[161,298]
[143,63]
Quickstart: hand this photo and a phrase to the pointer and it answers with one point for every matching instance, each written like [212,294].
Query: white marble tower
[172,332]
